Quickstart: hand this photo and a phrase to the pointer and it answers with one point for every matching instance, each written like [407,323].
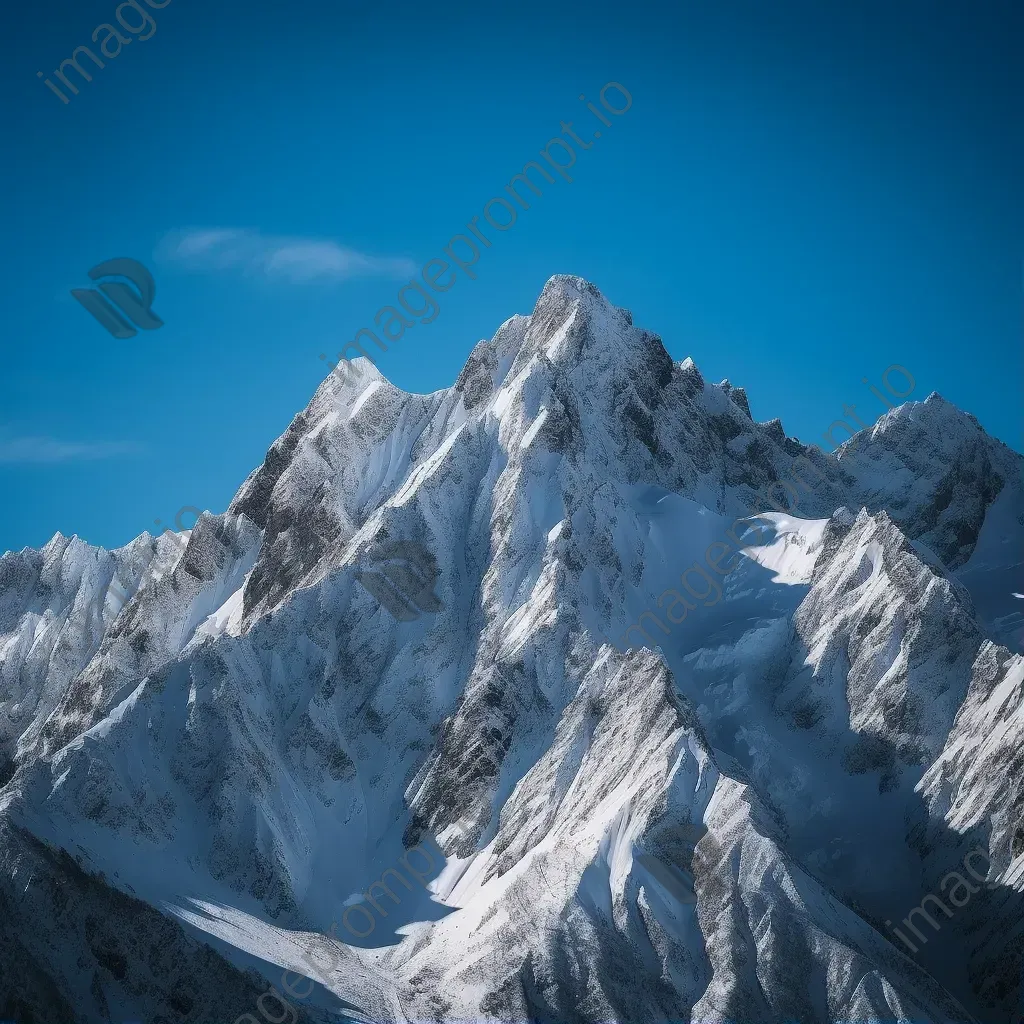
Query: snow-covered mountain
[659,750]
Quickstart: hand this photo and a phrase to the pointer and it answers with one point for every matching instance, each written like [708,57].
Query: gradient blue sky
[801,195]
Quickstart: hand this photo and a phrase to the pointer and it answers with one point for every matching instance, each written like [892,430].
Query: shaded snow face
[396,652]
[782,544]
[404,579]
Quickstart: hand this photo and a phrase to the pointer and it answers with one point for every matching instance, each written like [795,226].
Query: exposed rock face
[494,808]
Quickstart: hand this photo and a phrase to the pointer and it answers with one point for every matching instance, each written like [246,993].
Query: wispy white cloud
[293,259]
[48,449]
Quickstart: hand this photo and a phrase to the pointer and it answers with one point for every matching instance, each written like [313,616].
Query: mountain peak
[572,288]
[572,321]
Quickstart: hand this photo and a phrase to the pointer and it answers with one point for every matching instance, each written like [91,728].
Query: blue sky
[800,196]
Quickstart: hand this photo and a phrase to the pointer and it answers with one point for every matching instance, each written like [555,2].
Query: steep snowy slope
[715,829]
[561,913]
[974,793]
